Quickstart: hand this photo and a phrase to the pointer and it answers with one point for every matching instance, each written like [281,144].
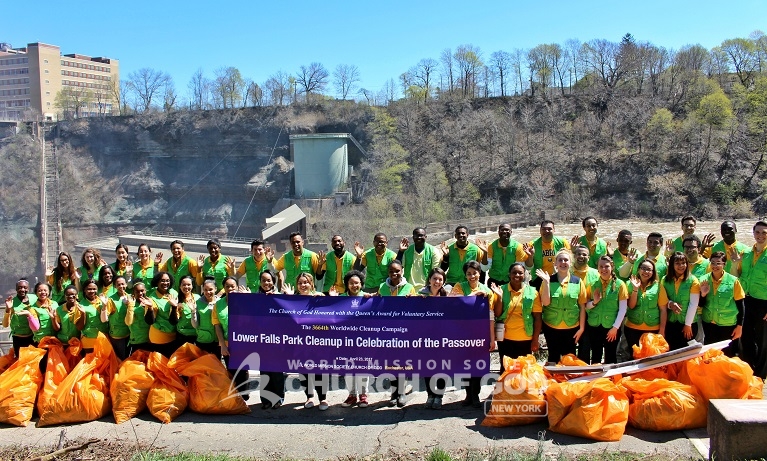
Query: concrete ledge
[737,429]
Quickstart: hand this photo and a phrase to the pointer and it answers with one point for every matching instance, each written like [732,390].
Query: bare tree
[228,87]
[346,77]
[73,100]
[312,78]
[278,88]
[147,83]
[169,98]
[517,64]
[469,61]
[447,68]
[199,88]
[500,61]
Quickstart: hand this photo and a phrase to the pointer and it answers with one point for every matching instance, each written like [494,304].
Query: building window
[45,61]
[46,71]
[47,82]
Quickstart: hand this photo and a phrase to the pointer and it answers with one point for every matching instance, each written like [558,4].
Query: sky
[383,39]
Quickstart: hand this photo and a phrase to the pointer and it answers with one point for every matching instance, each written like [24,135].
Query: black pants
[633,336]
[315,382]
[183,339]
[139,347]
[166,349]
[120,346]
[675,337]
[598,344]
[715,333]
[754,339]
[238,376]
[21,341]
[559,342]
[514,349]
[472,390]
[211,348]
[435,387]
[274,390]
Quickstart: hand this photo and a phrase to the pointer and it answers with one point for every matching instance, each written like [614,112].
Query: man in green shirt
[418,259]
[374,261]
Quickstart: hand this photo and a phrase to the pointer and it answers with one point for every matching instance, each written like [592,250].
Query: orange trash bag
[597,409]
[168,396]
[84,394]
[18,387]
[210,387]
[7,360]
[755,388]
[130,387]
[569,360]
[717,376]
[651,344]
[519,394]
[57,368]
[663,405]
[74,352]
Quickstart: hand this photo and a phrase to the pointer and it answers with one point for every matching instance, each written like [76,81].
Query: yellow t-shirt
[515,326]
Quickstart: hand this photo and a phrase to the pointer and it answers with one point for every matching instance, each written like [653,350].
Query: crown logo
[355,303]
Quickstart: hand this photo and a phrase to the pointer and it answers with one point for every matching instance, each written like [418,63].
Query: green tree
[72,100]
[742,53]
[228,87]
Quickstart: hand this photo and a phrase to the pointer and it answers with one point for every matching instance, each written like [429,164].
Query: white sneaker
[324,405]
[309,404]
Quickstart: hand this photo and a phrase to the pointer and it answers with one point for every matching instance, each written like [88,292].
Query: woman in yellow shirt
[163,316]
[520,310]
[644,314]
[473,287]
[604,312]
[563,297]
[683,292]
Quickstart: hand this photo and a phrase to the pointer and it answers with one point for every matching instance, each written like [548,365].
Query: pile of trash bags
[71,389]
[673,397]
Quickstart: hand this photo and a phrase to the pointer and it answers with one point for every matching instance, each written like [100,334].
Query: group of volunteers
[581,294]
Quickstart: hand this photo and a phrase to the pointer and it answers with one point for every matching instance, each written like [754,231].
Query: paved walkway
[295,432]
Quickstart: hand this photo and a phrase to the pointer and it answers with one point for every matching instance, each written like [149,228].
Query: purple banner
[376,335]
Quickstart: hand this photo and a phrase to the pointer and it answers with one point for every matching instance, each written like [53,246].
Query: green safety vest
[46,323]
[402,290]
[180,271]
[184,325]
[117,271]
[117,326]
[68,329]
[143,275]
[619,260]
[502,260]
[93,323]
[304,265]
[564,305]
[85,275]
[753,276]
[409,256]
[600,249]
[557,244]
[719,246]
[646,311]
[218,271]
[681,297]
[375,273]
[253,272]
[347,262]
[700,269]
[222,311]
[455,264]
[528,298]
[720,305]
[206,332]
[606,311]
[162,317]
[58,294]
[660,266]
[20,325]
[139,329]
[592,276]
